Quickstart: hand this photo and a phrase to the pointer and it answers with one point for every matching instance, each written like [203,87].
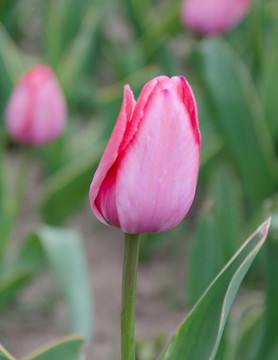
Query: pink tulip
[36,113]
[147,177]
[213,16]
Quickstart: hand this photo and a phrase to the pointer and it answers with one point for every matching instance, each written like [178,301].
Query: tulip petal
[18,126]
[105,201]
[213,16]
[138,113]
[111,152]
[160,169]
[52,119]
[189,101]
[36,112]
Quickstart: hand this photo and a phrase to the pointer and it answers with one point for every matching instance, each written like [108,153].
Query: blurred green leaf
[212,142]
[76,57]
[67,188]
[18,271]
[4,355]
[205,257]
[228,211]
[199,335]
[149,350]
[239,115]
[3,202]
[163,25]
[62,21]
[65,253]
[270,334]
[270,91]
[8,14]
[11,284]
[66,349]
[137,80]
[11,65]
[250,338]
[137,10]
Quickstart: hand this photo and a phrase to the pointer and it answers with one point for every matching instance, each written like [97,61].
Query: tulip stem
[129,295]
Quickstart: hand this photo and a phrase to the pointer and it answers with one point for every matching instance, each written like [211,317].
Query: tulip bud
[36,113]
[213,16]
[146,179]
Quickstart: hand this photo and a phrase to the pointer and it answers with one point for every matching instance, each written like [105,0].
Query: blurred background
[95,47]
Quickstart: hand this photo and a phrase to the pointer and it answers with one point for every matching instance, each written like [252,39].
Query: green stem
[129,295]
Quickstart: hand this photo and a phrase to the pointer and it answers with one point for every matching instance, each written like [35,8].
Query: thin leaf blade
[65,349]
[4,355]
[199,335]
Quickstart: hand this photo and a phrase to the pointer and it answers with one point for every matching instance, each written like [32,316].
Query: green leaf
[17,272]
[137,14]
[61,23]
[199,335]
[65,253]
[3,199]
[4,355]
[228,210]
[77,56]
[270,335]
[67,188]
[163,26]
[10,65]
[270,91]
[205,257]
[66,349]
[238,113]
[250,338]
[7,14]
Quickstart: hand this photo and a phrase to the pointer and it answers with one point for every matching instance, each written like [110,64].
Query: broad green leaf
[199,335]
[65,254]
[239,116]
[205,257]
[67,188]
[4,355]
[65,349]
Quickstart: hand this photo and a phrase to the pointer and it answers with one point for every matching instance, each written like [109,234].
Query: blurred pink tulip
[213,16]
[147,177]
[36,113]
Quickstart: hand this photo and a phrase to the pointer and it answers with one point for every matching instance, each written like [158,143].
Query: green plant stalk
[129,296]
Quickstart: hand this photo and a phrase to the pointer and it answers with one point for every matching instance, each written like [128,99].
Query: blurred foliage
[95,47]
